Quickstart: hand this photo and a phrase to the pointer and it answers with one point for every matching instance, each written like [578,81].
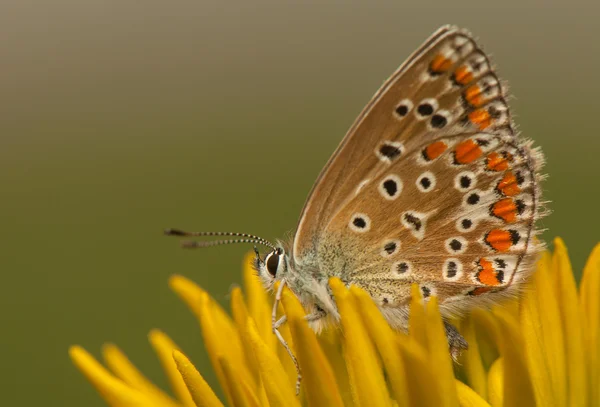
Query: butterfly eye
[272,262]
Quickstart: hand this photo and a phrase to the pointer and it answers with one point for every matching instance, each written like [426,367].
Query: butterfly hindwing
[455,228]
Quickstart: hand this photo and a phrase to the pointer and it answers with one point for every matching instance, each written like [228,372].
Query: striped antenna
[245,238]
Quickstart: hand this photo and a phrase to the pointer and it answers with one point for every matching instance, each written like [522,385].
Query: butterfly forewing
[430,185]
[422,77]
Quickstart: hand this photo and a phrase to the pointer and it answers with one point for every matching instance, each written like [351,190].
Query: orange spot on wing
[499,240]
[463,75]
[498,162]
[508,186]
[473,96]
[487,273]
[481,118]
[480,290]
[434,150]
[440,64]
[505,209]
[467,152]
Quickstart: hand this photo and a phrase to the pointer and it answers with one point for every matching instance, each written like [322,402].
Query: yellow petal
[385,340]
[590,311]
[471,359]
[284,357]
[242,394]
[511,305]
[200,391]
[114,391]
[496,385]
[570,315]
[467,397]
[259,304]
[488,334]
[193,296]
[542,333]
[213,343]
[518,389]
[219,333]
[416,322]
[366,378]
[164,347]
[274,378]
[126,371]
[420,375]
[240,317]
[330,341]
[439,356]
[318,381]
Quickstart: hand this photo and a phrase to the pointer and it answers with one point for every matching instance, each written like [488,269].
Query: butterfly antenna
[245,238]
[257,253]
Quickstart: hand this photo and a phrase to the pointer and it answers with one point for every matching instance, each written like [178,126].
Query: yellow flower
[543,349]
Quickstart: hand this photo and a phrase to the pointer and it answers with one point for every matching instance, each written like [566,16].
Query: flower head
[542,349]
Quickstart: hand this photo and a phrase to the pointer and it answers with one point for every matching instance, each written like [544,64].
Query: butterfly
[430,186]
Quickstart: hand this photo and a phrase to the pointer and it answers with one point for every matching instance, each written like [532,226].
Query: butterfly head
[273,267]
[270,268]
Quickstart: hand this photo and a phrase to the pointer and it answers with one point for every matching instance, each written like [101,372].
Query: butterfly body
[431,186]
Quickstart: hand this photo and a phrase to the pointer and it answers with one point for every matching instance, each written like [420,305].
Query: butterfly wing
[459,225]
[337,179]
[435,147]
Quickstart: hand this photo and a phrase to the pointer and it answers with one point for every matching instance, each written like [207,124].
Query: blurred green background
[121,118]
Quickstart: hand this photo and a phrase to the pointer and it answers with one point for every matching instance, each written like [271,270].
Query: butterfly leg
[456,342]
[276,324]
[315,318]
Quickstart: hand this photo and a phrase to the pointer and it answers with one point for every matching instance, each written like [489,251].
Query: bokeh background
[121,118]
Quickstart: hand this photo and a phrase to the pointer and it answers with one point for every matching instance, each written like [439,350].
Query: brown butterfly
[431,186]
